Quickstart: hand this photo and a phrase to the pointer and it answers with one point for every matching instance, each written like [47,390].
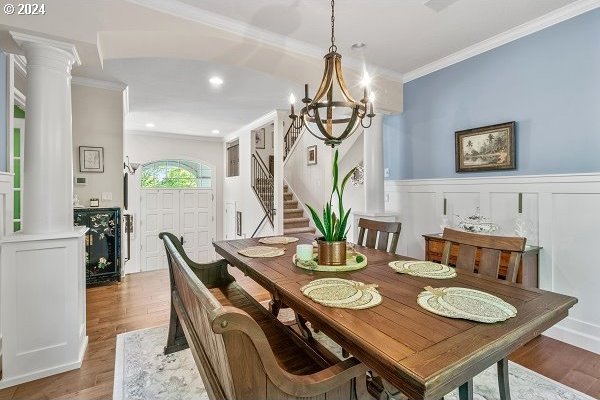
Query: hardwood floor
[142,301]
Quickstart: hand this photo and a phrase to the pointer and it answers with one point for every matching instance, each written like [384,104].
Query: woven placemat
[278,240]
[423,269]
[342,293]
[464,303]
[261,251]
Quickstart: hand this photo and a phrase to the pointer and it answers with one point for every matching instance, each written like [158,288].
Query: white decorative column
[42,268]
[374,190]
[373,161]
[48,172]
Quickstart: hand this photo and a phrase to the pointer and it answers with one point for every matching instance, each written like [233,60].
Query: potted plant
[333,227]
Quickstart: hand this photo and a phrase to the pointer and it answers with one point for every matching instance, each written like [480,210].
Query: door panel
[160,212]
[185,213]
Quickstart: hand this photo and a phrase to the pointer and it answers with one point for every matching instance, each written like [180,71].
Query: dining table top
[422,354]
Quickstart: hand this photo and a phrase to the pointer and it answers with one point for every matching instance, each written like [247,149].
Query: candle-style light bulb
[366,79]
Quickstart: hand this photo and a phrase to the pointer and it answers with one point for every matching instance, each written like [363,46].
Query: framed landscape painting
[488,148]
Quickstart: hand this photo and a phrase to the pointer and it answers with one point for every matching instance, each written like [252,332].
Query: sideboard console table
[102,243]
[528,271]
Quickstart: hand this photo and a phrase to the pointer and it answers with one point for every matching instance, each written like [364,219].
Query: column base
[42,305]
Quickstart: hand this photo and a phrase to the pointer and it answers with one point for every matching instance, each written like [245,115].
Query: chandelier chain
[333,47]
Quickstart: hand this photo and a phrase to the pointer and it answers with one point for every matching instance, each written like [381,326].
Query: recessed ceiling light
[215,131]
[358,45]
[215,80]
[150,125]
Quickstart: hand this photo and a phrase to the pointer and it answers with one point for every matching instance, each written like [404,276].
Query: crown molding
[97,83]
[552,18]
[186,11]
[67,48]
[174,136]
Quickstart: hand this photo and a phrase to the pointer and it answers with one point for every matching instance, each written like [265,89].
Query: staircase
[294,220]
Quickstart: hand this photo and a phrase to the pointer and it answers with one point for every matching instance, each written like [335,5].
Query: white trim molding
[178,136]
[66,48]
[552,18]
[559,213]
[98,83]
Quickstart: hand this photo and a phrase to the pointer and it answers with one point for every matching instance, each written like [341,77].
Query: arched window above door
[176,174]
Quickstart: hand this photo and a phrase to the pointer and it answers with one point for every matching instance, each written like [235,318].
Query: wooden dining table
[422,354]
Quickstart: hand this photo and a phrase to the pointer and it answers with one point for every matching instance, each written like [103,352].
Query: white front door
[160,213]
[197,224]
[186,213]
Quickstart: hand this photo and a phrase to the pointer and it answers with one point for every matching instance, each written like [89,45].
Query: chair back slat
[489,262]
[378,234]
[490,249]
[466,257]
[371,239]
[382,242]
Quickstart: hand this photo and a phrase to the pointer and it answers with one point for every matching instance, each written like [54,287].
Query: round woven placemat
[423,269]
[261,251]
[278,240]
[471,304]
[342,293]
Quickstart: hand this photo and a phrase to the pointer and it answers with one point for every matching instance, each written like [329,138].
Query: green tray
[351,264]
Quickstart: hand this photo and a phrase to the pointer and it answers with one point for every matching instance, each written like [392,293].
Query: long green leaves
[334,227]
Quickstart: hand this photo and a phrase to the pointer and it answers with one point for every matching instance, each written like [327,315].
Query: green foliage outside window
[176,175]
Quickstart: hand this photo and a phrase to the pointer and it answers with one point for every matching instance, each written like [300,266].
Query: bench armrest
[229,319]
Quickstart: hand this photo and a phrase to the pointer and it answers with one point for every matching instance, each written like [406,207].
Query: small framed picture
[94,202]
[91,159]
[238,223]
[488,148]
[311,155]
[259,138]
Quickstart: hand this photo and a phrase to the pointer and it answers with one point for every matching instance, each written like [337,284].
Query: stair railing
[290,138]
[263,186]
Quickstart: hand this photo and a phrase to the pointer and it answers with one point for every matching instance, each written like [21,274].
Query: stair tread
[306,229]
[290,201]
[295,219]
[293,211]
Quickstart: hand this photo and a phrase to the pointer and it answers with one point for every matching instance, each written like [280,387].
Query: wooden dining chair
[482,253]
[378,234]
[489,249]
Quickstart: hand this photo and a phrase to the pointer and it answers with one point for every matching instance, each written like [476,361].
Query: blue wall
[548,82]
[3,113]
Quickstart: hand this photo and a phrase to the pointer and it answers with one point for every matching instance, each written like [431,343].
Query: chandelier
[325,118]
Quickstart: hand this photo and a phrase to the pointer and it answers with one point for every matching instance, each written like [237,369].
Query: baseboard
[576,333]
[4,383]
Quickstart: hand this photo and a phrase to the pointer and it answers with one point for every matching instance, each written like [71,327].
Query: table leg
[465,391]
[274,306]
[306,333]
[503,383]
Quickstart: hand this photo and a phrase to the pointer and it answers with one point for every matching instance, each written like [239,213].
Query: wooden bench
[241,350]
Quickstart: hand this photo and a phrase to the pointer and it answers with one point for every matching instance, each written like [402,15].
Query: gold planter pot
[331,253]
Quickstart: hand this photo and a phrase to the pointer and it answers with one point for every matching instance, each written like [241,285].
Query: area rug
[142,372]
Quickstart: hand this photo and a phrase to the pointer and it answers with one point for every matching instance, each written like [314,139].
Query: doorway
[177,196]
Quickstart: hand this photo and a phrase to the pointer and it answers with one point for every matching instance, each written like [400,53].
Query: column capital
[68,49]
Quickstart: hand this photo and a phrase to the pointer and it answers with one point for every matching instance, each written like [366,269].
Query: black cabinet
[102,243]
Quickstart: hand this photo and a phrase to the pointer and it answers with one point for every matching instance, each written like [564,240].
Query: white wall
[563,217]
[98,122]
[269,149]
[237,191]
[144,147]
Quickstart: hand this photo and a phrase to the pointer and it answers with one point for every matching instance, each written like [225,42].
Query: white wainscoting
[562,214]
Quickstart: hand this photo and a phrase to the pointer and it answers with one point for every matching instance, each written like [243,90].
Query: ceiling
[176,96]
[165,50]
[401,35]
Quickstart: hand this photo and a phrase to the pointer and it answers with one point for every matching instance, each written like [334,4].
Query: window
[176,174]
[17,163]
[233,158]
